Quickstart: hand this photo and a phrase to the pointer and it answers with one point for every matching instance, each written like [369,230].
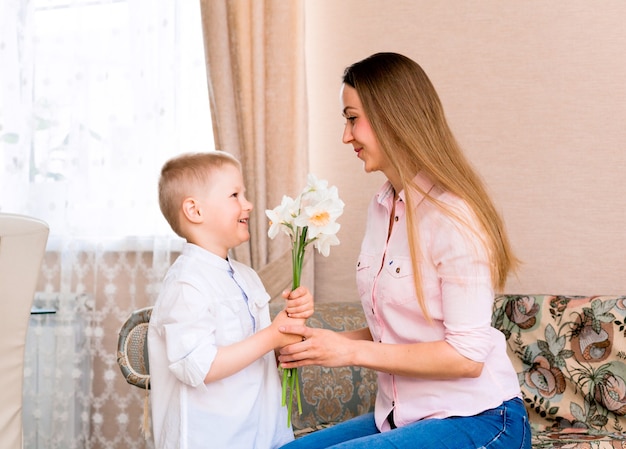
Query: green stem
[297,256]
[290,404]
[284,395]
[298,391]
[290,376]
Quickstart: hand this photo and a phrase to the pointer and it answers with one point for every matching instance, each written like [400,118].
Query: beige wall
[536,94]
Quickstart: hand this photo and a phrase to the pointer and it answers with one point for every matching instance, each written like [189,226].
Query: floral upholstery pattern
[569,353]
[333,395]
[570,356]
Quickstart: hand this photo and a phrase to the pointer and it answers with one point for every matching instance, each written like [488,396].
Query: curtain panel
[257,88]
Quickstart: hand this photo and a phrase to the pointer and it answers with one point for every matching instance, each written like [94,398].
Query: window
[95,96]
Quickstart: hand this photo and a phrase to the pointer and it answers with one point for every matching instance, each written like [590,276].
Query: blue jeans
[503,427]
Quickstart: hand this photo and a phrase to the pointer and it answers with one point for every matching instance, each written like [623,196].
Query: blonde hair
[408,120]
[184,173]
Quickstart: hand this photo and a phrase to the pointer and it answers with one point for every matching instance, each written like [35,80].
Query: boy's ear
[191,210]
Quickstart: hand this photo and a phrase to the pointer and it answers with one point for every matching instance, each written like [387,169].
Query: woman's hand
[318,347]
[299,303]
[281,321]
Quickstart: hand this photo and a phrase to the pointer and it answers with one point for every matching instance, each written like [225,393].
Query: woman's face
[358,133]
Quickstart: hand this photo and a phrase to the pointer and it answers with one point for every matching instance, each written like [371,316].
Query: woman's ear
[191,210]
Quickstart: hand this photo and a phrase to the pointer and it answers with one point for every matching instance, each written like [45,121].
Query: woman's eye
[350,119]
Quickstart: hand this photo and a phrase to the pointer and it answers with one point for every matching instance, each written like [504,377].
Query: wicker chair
[132,349]
[132,356]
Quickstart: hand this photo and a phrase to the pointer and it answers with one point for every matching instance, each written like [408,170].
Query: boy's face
[225,211]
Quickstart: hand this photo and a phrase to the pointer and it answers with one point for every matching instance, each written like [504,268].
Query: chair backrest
[132,348]
[22,248]
[132,357]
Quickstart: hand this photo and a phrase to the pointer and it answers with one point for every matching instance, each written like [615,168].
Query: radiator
[57,373]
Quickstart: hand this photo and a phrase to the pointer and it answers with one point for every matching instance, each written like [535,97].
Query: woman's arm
[327,348]
[426,360]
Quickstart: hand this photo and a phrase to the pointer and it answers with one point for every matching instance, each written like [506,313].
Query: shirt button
[395,218]
[398,270]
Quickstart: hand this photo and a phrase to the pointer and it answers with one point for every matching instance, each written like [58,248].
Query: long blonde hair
[408,120]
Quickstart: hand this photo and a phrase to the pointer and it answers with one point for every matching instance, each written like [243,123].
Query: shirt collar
[201,254]
[385,194]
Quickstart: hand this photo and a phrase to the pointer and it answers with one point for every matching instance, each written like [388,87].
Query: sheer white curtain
[94,96]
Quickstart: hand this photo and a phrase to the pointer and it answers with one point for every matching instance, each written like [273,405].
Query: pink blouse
[459,296]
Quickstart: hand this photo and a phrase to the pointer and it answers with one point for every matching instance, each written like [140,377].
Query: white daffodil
[317,191]
[323,242]
[282,217]
[314,184]
[309,218]
[321,218]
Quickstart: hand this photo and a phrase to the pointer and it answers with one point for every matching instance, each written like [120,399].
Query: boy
[214,377]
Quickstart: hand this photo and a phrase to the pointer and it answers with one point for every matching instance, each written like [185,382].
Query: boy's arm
[233,358]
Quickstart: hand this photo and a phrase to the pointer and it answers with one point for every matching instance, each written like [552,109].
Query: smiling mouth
[244,220]
[358,150]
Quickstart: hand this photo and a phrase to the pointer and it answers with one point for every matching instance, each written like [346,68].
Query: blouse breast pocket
[396,283]
[364,274]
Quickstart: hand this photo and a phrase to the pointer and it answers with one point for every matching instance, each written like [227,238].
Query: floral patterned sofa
[570,356]
[569,352]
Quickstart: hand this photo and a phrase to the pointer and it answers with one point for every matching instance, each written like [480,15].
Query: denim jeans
[503,427]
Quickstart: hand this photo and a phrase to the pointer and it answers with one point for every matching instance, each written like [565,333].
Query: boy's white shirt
[201,307]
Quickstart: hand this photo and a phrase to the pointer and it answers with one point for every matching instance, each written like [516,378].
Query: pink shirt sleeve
[462,265]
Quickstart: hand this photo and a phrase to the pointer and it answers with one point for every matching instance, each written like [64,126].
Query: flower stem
[299,400]
[290,375]
[297,256]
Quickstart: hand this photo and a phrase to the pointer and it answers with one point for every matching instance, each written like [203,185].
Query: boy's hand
[280,321]
[299,303]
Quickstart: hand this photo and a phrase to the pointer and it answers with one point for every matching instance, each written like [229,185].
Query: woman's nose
[347,135]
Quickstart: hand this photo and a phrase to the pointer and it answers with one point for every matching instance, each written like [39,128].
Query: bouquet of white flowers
[309,218]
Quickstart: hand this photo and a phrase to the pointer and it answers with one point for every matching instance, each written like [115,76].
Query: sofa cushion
[570,356]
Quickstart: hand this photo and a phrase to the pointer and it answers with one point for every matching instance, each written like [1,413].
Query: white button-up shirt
[457,287]
[207,302]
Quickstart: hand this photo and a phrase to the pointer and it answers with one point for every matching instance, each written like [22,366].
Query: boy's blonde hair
[182,175]
[408,120]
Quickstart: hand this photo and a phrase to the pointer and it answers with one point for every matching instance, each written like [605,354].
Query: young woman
[434,252]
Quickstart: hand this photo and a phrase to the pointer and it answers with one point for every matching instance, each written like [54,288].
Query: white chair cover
[22,247]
